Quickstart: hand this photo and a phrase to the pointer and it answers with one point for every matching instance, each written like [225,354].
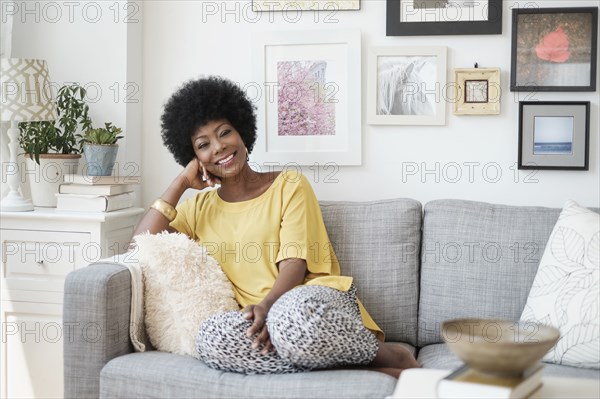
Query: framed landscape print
[309,105]
[554,135]
[407,86]
[305,5]
[476,91]
[554,49]
[443,17]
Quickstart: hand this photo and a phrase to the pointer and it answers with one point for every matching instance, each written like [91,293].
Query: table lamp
[26,96]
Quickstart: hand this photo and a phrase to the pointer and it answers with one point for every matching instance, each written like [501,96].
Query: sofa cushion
[183,286]
[478,260]
[438,356]
[566,288]
[377,243]
[163,375]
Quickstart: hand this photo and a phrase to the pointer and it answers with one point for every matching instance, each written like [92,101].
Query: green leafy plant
[103,135]
[58,136]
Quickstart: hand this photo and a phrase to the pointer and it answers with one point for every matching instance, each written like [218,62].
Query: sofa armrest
[96,312]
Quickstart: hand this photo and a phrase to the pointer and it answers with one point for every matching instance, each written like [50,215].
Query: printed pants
[311,327]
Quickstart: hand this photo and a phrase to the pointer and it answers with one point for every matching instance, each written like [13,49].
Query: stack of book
[96,193]
[466,382]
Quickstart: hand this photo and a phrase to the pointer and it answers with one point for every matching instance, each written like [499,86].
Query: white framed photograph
[407,86]
[305,5]
[309,110]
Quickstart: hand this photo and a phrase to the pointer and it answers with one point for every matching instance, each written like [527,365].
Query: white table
[421,383]
[37,251]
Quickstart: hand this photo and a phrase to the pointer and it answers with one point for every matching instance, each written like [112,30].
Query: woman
[267,233]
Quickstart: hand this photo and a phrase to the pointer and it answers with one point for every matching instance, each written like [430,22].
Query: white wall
[6,22]
[98,45]
[183,40]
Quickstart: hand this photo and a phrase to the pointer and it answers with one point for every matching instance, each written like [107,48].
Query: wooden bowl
[498,346]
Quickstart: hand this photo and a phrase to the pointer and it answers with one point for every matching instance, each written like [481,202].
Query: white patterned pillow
[183,286]
[565,291]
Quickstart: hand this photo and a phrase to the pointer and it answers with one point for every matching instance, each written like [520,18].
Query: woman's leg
[392,359]
[319,327]
[222,344]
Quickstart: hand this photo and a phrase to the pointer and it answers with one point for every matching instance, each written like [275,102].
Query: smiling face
[220,148]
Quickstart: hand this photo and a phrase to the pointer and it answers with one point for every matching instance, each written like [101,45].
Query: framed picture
[310,108]
[476,91]
[554,49]
[443,17]
[407,86]
[554,135]
[305,5]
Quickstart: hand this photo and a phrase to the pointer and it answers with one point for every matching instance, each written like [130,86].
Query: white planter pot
[45,178]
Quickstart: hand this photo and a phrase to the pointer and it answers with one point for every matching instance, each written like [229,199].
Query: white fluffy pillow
[183,286]
[565,289]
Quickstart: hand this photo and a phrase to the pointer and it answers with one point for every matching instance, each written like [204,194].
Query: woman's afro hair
[198,102]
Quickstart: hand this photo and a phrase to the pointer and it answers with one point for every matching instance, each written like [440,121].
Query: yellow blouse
[249,238]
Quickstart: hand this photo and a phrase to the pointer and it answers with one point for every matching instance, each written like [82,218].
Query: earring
[247,155]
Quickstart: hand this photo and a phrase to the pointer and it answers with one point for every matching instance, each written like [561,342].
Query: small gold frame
[477,91]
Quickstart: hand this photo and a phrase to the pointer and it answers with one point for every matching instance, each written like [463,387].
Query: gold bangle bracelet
[165,208]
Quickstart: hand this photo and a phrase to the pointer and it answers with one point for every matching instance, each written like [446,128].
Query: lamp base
[14,202]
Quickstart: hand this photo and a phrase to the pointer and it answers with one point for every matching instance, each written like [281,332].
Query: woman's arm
[292,272]
[153,221]
[191,177]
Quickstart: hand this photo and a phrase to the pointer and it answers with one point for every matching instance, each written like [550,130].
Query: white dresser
[38,249]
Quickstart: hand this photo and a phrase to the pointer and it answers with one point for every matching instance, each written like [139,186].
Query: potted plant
[100,149]
[52,147]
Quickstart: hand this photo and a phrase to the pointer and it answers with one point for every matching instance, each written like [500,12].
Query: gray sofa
[414,267]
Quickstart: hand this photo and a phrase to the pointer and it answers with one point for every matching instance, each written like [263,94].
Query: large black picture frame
[531,27]
[394,27]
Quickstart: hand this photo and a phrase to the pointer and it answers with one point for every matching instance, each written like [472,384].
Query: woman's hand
[292,272]
[258,313]
[196,176]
